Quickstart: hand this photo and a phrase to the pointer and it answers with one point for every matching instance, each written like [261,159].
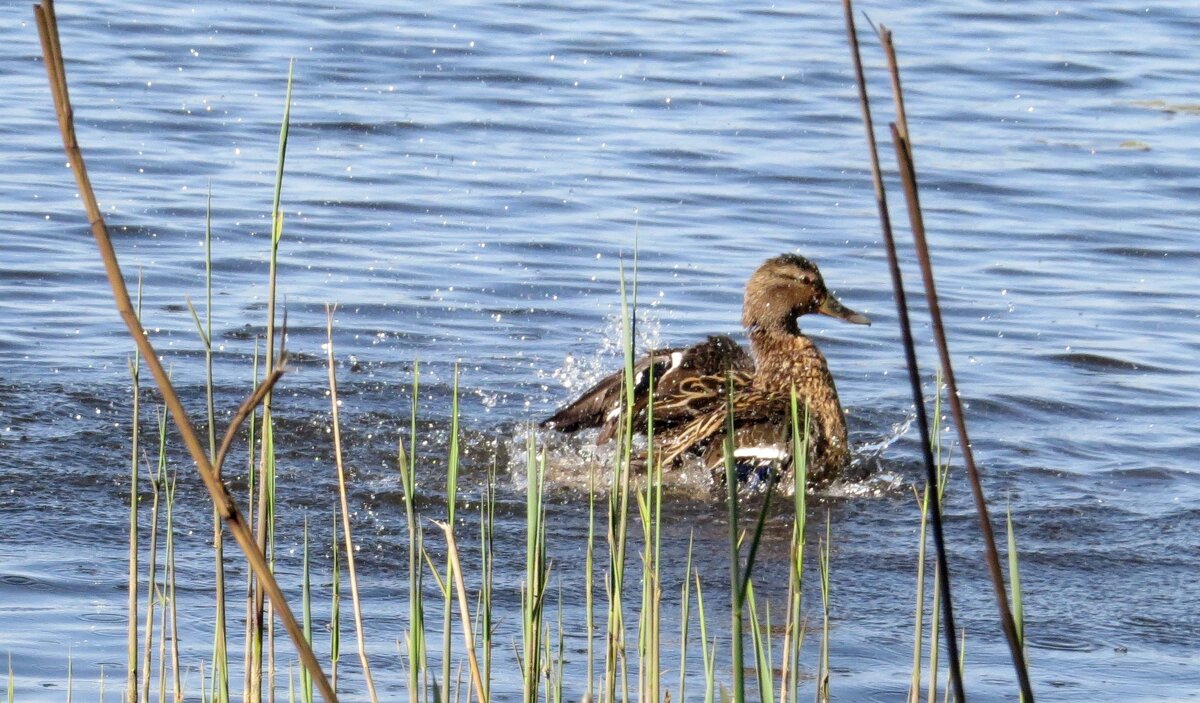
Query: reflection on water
[466,181]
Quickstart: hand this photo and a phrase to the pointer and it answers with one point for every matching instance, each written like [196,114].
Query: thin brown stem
[222,499]
[341,471]
[244,411]
[908,177]
[464,611]
[910,354]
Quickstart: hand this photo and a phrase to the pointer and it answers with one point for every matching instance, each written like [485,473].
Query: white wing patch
[768,453]
[676,362]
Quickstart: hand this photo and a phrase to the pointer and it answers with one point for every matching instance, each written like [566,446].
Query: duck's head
[785,288]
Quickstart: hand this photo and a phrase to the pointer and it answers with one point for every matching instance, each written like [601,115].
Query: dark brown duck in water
[691,385]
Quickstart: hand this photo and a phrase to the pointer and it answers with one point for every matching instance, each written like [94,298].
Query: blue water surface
[465,180]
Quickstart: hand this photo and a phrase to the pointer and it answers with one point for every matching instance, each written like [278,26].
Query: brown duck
[692,386]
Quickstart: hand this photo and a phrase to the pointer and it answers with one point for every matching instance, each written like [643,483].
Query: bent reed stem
[222,499]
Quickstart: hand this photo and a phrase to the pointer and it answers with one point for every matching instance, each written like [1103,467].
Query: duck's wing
[665,370]
[602,403]
[698,412]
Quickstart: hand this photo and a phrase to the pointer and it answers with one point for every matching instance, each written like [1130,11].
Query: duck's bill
[833,308]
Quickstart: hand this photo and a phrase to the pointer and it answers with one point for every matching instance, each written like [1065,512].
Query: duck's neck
[780,344]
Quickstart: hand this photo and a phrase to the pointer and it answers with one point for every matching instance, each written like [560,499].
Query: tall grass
[541,660]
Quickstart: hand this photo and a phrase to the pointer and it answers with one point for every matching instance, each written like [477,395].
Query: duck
[690,390]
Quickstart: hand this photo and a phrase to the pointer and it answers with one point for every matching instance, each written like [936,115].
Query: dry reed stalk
[910,354]
[464,612]
[908,177]
[222,499]
[341,471]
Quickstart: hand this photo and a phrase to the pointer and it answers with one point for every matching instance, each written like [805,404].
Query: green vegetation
[540,659]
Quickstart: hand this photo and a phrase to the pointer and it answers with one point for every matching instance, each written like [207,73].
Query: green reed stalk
[739,584]
[173,614]
[793,623]
[793,630]
[306,691]
[221,656]
[650,510]
[707,653]
[560,669]
[204,330]
[1014,571]
[12,681]
[735,576]
[823,670]
[266,499]
[761,644]
[335,608]
[644,663]
[533,590]
[935,615]
[156,482]
[345,504]
[169,617]
[415,637]
[162,641]
[618,516]
[487,532]
[70,675]
[251,480]
[588,575]
[648,659]
[131,688]
[451,503]
[614,584]
[685,618]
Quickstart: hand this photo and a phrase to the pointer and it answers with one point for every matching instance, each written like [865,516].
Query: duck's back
[603,405]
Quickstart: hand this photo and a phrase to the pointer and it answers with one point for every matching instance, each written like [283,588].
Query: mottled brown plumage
[693,387]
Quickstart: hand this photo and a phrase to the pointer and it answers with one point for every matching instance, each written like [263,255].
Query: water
[463,180]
